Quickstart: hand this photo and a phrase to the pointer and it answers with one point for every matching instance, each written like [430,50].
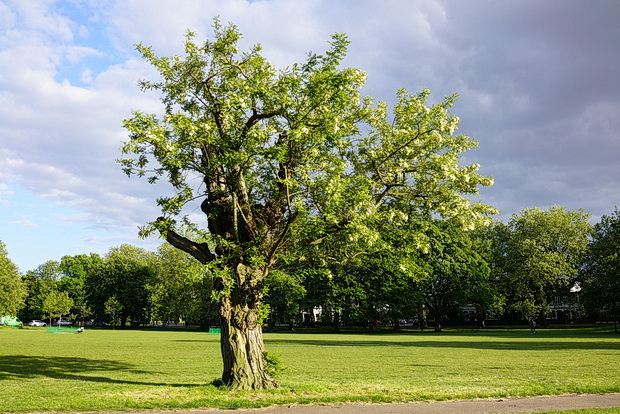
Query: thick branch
[200,251]
[255,117]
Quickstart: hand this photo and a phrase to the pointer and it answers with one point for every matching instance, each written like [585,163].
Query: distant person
[533,327]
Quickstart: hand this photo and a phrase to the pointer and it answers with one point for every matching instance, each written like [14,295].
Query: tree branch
[200,251]
[255,117]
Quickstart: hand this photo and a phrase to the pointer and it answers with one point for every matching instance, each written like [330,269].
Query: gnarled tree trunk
[243,350]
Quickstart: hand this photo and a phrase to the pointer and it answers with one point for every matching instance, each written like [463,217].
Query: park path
[506,405]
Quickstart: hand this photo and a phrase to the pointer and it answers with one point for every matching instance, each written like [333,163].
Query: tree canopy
[282,158]
[57,303]
[540,255]
[601,278]
[12,289]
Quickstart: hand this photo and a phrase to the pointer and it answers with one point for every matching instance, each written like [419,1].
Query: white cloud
[5,194]
[25,221]
[538,88]
[39,15]
[5,190]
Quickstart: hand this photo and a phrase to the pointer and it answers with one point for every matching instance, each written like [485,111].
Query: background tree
[12,288]
[544,252]
[389,272]
[321,291]
[490,242]
[124,273]
[74,270]
[284,293]
[601,279]
[454,270]
[180,288]
[113,308]
[284,158]
[57,304]
[390,291]
[40,282]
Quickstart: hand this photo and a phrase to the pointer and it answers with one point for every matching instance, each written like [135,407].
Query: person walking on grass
[533,327]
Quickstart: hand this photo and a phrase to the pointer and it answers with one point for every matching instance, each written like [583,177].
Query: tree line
[519,266]
[127,286]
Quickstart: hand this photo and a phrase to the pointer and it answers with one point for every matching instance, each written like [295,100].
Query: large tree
[12,288]
[75,270]
[542,257]
[454,270]
[40,282]
[124,273]
[601,280]
[282,158]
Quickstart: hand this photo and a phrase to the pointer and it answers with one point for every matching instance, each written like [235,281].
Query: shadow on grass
[524,342]
[75,369]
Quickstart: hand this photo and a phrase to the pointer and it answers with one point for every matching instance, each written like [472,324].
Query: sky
[539,87]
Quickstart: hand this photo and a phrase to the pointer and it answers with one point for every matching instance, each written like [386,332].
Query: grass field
[142,369]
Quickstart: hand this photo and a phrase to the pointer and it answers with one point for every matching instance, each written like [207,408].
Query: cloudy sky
[539,86]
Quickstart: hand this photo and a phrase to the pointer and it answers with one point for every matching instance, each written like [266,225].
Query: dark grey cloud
[538,84]
[540,93]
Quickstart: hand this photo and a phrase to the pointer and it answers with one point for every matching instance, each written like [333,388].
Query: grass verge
[104,370]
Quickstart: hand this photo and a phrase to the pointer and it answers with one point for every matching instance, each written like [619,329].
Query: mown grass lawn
[148,369]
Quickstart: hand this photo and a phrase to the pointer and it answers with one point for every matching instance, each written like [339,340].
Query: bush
[273,364]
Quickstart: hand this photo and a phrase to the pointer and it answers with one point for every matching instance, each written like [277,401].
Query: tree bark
[241,341]
[242,336]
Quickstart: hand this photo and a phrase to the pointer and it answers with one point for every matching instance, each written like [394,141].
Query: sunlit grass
[133,370]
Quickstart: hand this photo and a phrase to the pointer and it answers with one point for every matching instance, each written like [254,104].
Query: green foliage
[12,288]
[415,265]
[180,287]
[112,307]
[123,273]
[284,293]
[454,270]
[165,286]
[57,304]
[541,253]
[288,157]
[40,282]
[273,364]
[75,270]
[601,279]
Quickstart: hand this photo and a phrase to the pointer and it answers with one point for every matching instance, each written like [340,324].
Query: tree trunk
[542,319]
[337,321]
[481,315]
[437,324]
[243,350]
[397,324]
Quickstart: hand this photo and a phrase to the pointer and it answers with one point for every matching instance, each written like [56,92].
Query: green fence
[215,331]
[62,329]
